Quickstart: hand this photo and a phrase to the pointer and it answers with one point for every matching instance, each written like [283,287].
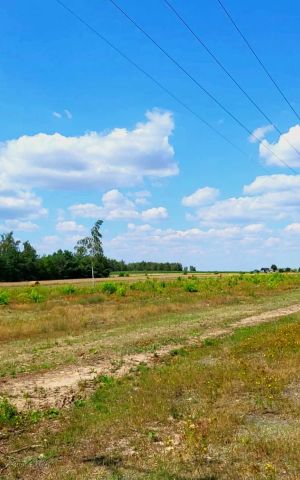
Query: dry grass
[226,411]
[188,418]
[66,328]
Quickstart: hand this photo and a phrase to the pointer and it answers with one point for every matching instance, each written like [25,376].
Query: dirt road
[60,387]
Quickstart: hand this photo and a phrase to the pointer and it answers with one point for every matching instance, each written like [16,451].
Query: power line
[221,65]
[150,77]
[195,81]
[258,59]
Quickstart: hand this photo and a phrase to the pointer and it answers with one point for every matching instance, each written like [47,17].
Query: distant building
[265,270]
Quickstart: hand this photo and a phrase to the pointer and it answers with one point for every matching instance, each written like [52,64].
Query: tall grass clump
[109,287]
[8,413]
[68,289]
[4,298]
[35,296]
[121,290]
[191,287]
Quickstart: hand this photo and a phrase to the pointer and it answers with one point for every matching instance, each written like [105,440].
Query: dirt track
[84,281]
[59,388]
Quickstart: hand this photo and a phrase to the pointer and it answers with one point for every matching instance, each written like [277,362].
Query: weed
[35,296]
[109,287]
[8,413]
[191,287]
[68,289]
[4,298]
[121,291]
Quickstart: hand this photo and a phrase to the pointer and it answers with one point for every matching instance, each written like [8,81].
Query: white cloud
[86,210]
[70,226]
[283,150]
[117,206]
[272,242]
[140,197]
[276,183]
[20,204]
[156,213]
[65,113]
[293,228]
[267,199]
[119,158]
[273,206]
[259,133]
[210,248]
[201,196]
[254,228]
[18,226]
[68,114]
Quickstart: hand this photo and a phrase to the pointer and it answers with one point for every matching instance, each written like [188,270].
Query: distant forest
[20,261]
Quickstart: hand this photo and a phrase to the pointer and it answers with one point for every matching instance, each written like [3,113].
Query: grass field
[151,379]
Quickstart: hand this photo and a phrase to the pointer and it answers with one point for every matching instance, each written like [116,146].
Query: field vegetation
[221,403]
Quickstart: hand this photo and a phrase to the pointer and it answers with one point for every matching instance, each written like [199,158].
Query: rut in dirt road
[59,388]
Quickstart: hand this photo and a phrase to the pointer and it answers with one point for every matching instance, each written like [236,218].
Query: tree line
[20,261]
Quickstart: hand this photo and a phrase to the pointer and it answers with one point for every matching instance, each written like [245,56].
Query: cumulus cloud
[69,226]
[200,246]
[20,204]
[201,196]
[117,206]
[120,158]
[293,228]
[18,226]
[156,213]
[286,149]
[270,206]
[259,133]
[277,183]
[266,199]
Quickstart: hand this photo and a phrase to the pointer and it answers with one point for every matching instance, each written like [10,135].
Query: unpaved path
[60,387]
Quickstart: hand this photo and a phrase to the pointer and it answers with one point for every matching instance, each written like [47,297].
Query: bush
[109,288]
[35,296]
[121,291]
[191,287]
[8,413]
[68,289]
[4,298]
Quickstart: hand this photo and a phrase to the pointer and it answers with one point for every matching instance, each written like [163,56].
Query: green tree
[10,256]
[91,247]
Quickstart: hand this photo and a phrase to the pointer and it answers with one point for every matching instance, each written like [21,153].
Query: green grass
[69,327]
[220,411]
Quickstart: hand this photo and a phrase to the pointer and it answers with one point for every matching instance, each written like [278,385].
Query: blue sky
[84,135]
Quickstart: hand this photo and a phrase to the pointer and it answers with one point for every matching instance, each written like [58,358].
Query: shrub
[68,289]
[35,296]
[121,274]
[8,413]
[191,287]
[4,298]
[121,291]
[109,288]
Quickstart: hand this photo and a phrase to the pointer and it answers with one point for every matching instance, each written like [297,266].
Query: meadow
[151,378]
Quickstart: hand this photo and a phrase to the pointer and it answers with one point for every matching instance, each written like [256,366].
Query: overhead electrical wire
[195,81]
[276,85]
[150,77]
[232,78]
